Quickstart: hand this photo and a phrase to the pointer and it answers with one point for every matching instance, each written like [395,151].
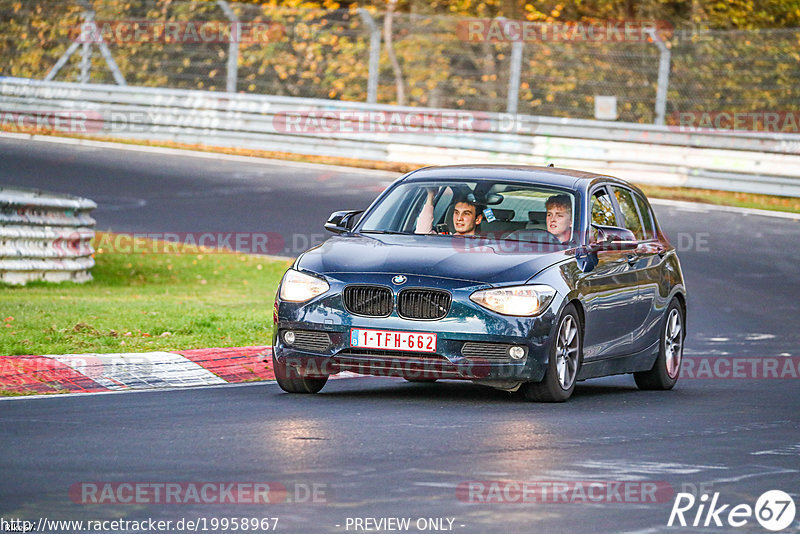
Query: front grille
[370,301]
[489,351]
[423,304]
[311,340]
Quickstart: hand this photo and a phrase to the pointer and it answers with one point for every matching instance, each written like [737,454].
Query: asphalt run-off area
[380,453]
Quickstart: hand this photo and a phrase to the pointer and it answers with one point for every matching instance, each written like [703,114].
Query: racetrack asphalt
[380,447]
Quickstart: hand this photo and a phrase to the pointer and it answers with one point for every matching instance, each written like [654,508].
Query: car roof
[567,178]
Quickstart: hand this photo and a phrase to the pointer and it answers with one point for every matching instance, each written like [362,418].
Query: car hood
[481,260]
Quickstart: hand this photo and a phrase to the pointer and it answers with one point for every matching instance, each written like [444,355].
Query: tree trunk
[387,38]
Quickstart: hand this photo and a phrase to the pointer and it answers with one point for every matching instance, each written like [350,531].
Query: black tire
[666,370]
[564,363]
[300,384]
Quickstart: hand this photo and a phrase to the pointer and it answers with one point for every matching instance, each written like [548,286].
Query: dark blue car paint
[621,300]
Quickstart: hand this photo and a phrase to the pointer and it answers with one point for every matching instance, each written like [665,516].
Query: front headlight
[523,301]
[299,287]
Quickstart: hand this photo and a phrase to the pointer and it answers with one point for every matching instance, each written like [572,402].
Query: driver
[559,217]
[466,215]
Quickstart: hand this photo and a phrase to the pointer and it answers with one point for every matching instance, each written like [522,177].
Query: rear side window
[647,217]
[630,214]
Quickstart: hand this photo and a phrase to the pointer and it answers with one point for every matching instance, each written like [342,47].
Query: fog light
[288,337]
[516,353]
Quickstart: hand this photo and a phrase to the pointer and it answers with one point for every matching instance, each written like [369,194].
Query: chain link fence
[326,54]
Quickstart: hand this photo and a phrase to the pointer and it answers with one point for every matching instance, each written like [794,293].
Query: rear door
[643,261]
[649,267]
[609,291]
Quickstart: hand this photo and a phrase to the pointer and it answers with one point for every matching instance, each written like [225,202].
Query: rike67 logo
[774,510]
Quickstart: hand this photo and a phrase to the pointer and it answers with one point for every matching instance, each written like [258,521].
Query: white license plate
[391,340]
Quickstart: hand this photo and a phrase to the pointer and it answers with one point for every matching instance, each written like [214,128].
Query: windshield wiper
[384,232]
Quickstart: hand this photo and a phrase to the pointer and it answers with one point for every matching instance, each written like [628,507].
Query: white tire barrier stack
[45,236]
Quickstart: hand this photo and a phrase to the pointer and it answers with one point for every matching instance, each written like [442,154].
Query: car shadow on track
[461,391]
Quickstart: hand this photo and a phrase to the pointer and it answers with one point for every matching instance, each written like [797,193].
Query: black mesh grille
[423,303]
[311,340]
[489,351]
[371,301]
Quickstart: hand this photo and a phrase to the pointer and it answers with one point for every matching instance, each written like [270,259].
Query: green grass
[724,198]
[144,302]
[9,393]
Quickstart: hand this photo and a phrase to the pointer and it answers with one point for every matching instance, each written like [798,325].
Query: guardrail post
[86,52]
[374,55]
[88,24]
[663,76]
[62,61]
[513,79]
[106,53]
[233,46]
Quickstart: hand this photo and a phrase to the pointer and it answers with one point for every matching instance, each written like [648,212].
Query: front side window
[603,209]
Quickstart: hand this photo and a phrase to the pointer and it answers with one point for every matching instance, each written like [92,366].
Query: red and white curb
[83,373]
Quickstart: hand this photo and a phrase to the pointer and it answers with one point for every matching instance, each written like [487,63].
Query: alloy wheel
[673,343]
[567,352]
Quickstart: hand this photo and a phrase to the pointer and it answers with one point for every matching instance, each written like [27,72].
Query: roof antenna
[552,165]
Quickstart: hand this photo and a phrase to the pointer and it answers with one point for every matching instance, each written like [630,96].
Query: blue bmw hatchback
[519,278]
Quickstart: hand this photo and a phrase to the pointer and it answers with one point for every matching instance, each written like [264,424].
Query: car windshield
[517,212]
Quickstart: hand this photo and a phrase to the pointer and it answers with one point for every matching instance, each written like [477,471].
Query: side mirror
[341,221]
[613,238]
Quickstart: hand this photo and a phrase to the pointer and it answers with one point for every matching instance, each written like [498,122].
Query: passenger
[559,217]
[466,215]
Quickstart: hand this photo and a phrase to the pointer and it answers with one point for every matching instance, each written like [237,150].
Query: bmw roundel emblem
[399,280]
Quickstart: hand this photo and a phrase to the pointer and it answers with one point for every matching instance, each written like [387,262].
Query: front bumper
[472,342]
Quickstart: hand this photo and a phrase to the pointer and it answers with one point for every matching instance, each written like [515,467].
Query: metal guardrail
[737,161]
[45,236]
